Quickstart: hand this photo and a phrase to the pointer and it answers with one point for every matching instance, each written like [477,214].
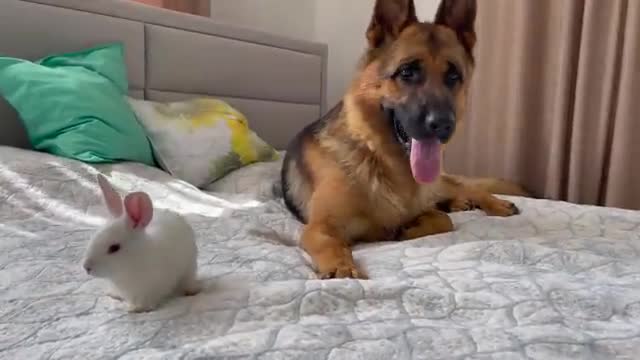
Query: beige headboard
[278,83]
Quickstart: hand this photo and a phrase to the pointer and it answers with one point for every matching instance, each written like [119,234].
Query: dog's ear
[460,16]
[389,18]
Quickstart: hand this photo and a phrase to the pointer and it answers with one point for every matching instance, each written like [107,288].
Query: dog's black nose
[441,124]
[87,268]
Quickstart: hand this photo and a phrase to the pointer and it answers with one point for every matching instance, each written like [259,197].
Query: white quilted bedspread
[559,281]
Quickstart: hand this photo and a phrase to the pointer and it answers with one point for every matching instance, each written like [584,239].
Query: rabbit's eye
[114,248]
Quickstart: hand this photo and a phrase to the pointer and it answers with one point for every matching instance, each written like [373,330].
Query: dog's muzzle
[441,124]
[427,125]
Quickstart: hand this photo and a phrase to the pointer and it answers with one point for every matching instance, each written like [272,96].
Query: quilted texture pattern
[558,282]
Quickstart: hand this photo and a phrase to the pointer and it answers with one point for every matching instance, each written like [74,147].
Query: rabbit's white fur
[155,260]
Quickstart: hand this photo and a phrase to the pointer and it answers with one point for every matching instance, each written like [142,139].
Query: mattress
[559,281]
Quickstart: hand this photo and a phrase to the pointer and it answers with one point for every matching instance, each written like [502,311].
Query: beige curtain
[555,103]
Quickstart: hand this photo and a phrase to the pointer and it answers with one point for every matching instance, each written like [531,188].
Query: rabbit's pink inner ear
[111,198]
[139,209]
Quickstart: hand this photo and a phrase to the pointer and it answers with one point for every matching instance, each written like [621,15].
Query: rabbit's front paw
[114,294]
[139,308]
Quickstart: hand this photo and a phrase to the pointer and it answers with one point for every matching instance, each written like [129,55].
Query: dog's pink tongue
[425,160]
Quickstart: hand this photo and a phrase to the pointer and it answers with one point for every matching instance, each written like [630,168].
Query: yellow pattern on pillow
[200,140]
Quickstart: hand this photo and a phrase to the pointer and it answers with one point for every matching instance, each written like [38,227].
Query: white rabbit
[146,256]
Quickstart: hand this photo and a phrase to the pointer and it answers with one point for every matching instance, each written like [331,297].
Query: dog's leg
[467,197]
[430,223]
[329,252]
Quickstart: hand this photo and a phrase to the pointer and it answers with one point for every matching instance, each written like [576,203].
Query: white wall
[342,25]
[339,23]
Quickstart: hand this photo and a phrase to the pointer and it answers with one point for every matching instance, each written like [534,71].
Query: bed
[559,281]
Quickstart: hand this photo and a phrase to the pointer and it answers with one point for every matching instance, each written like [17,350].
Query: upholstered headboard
[278,83]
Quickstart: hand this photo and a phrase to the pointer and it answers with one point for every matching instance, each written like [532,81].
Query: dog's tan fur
[346,176]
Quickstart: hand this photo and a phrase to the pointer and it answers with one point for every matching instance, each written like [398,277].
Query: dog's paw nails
[502,208]
[461,205]
[515,209]
[326,275]
[341,271]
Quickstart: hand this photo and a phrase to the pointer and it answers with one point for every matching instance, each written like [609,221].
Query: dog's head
[420,72]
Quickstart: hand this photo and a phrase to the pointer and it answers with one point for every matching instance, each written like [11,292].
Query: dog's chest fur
[394,200]
[379,173]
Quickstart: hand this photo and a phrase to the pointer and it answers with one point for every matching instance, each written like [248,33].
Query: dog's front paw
[339,270]
[499,207]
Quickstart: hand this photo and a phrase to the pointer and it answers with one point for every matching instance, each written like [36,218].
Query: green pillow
[74,105]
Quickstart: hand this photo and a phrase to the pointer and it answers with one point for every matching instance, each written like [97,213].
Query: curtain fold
[552,102]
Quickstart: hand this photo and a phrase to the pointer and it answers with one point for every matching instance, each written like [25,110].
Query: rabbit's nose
[87,268]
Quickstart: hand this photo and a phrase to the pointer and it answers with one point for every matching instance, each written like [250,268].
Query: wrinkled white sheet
[559,281]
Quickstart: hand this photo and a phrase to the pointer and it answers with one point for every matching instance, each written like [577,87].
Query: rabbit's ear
[111,198]
[139,209]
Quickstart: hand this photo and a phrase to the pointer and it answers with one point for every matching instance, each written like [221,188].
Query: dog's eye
[452,77]
[114,248]
[410,73]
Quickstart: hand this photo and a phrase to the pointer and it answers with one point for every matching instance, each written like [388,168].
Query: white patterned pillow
[200,140]
[259,179]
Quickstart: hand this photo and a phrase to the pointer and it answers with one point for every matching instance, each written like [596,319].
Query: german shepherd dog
[370,169]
